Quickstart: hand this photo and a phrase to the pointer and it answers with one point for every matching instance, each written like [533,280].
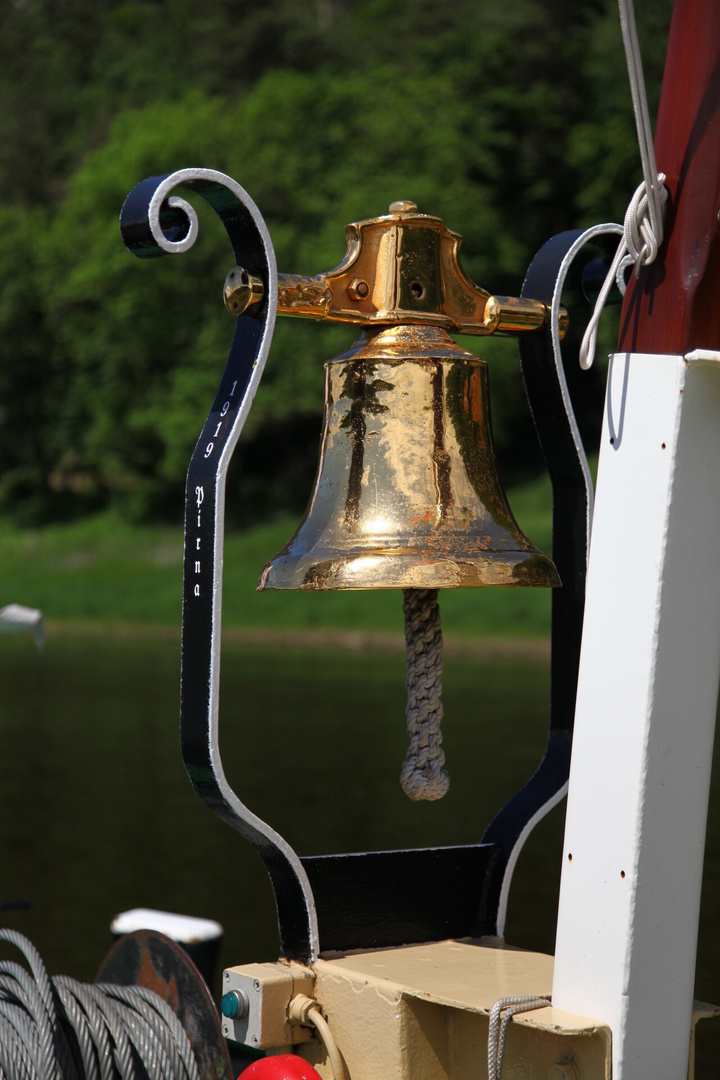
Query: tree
[338,110]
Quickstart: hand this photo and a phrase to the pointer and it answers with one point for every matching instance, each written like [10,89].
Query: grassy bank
[104,570]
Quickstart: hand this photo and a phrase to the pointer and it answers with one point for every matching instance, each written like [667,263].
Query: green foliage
[102,568]
[325,112]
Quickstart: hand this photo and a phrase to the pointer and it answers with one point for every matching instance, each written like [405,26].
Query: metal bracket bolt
[242,291]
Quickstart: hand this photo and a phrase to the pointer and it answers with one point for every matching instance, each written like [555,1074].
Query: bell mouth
[395,569]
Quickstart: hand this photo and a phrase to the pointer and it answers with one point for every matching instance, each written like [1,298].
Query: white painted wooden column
[645,717]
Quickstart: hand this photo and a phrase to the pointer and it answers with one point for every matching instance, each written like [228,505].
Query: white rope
[643,228]
[501,1014]
[595,231]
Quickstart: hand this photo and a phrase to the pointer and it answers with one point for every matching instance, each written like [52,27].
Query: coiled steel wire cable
[60,1029]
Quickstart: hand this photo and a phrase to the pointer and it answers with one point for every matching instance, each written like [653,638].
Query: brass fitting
[242,291]
[400,268]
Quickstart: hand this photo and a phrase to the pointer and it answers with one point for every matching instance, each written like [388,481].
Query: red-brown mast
[674,306]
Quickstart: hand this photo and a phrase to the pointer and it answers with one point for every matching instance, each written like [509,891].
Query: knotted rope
[643,227]
[639,246]
[422,775]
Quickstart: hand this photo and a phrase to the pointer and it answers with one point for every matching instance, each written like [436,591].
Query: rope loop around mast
[643,229]
[639,247]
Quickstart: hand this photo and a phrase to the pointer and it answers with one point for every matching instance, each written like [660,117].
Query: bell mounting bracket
[401,267]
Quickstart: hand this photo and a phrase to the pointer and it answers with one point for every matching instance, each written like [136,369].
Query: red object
[280,1067]
[673,307]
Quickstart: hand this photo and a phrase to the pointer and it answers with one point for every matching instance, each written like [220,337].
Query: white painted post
[645,717]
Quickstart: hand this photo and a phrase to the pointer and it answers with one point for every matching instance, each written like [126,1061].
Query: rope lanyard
[643,227]
[423,775]
[501,1014]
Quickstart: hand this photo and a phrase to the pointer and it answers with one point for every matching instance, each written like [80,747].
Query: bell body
[407,493]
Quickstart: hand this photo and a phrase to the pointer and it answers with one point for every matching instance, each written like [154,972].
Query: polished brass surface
[402,206]
[407,493]
[400,268]
[242,291]
[512,315]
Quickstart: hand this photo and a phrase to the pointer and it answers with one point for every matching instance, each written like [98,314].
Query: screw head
[358,289]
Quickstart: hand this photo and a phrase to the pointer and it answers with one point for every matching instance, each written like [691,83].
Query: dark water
[98,815]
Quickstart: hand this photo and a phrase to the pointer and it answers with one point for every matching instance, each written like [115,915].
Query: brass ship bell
[407,493]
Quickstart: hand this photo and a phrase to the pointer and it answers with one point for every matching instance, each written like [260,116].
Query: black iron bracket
[156,222]
[370,899]
[543,368]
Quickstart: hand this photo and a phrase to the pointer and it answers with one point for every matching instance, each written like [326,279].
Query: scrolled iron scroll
[543,371]
[154,222]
